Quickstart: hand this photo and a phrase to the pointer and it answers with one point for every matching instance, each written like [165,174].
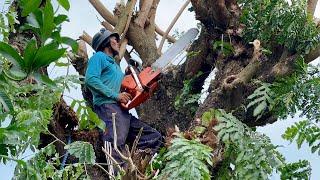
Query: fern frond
[187,159]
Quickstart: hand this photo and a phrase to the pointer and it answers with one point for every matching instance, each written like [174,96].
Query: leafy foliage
[5,102]
[88,119]
[65,4]
[304,131]
[187,99]
[82,150]
[297,170]
[37,54]
[44,166]
[252,154]
[286,96]
[225,47]
[275,21]
[298,93]
[261,98]
[26,108]
[31,115]
[248,154]
[7,21]
[186,159]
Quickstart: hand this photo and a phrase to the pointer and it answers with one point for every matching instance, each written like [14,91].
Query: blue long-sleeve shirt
[103,77]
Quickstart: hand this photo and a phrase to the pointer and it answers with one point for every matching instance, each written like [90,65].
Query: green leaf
[65,4]
[29,6]
[260,108]
[45,80]
[46,55]
[48,24]
[60,19]
[29,55]
[186,159]
[6,102]
[15,73]
[82,150]
[314,148]
[96,120]
[71,42]
[61,64]
[11,54]
[206,118]
[73,103]
[33,21]
[199,129]
[301,138]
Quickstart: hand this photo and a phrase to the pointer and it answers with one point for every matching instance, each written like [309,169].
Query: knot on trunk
[231,82]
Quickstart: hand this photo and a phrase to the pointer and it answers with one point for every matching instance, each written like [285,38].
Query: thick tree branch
[201,10]
[152,12]
[123,48]
[221,14]
[124,17]
[312,4]
[233,81]
[112,20]
[151,27]
[143,13]
[248,72]
[104,12]
[80,59]
[161,33]
[172,24]
[86,38]
[107,25]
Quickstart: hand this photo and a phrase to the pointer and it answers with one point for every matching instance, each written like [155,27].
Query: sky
[83,17]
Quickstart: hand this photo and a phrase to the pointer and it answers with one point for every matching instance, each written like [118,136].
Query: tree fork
[109,17]
[124,18]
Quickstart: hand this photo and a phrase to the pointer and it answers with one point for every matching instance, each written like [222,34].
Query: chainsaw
[141,84]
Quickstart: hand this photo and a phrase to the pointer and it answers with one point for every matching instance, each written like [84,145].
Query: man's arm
[92,78]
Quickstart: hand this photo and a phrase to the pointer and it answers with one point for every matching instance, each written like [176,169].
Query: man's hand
[124,97]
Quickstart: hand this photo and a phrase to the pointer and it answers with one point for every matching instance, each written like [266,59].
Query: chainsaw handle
[128,104]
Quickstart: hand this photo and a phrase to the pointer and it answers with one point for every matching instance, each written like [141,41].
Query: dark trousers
[127,127]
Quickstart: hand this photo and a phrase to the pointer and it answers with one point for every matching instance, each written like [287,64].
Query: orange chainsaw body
[148,78]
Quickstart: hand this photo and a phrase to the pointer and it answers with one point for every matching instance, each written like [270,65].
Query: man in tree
[104,77]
